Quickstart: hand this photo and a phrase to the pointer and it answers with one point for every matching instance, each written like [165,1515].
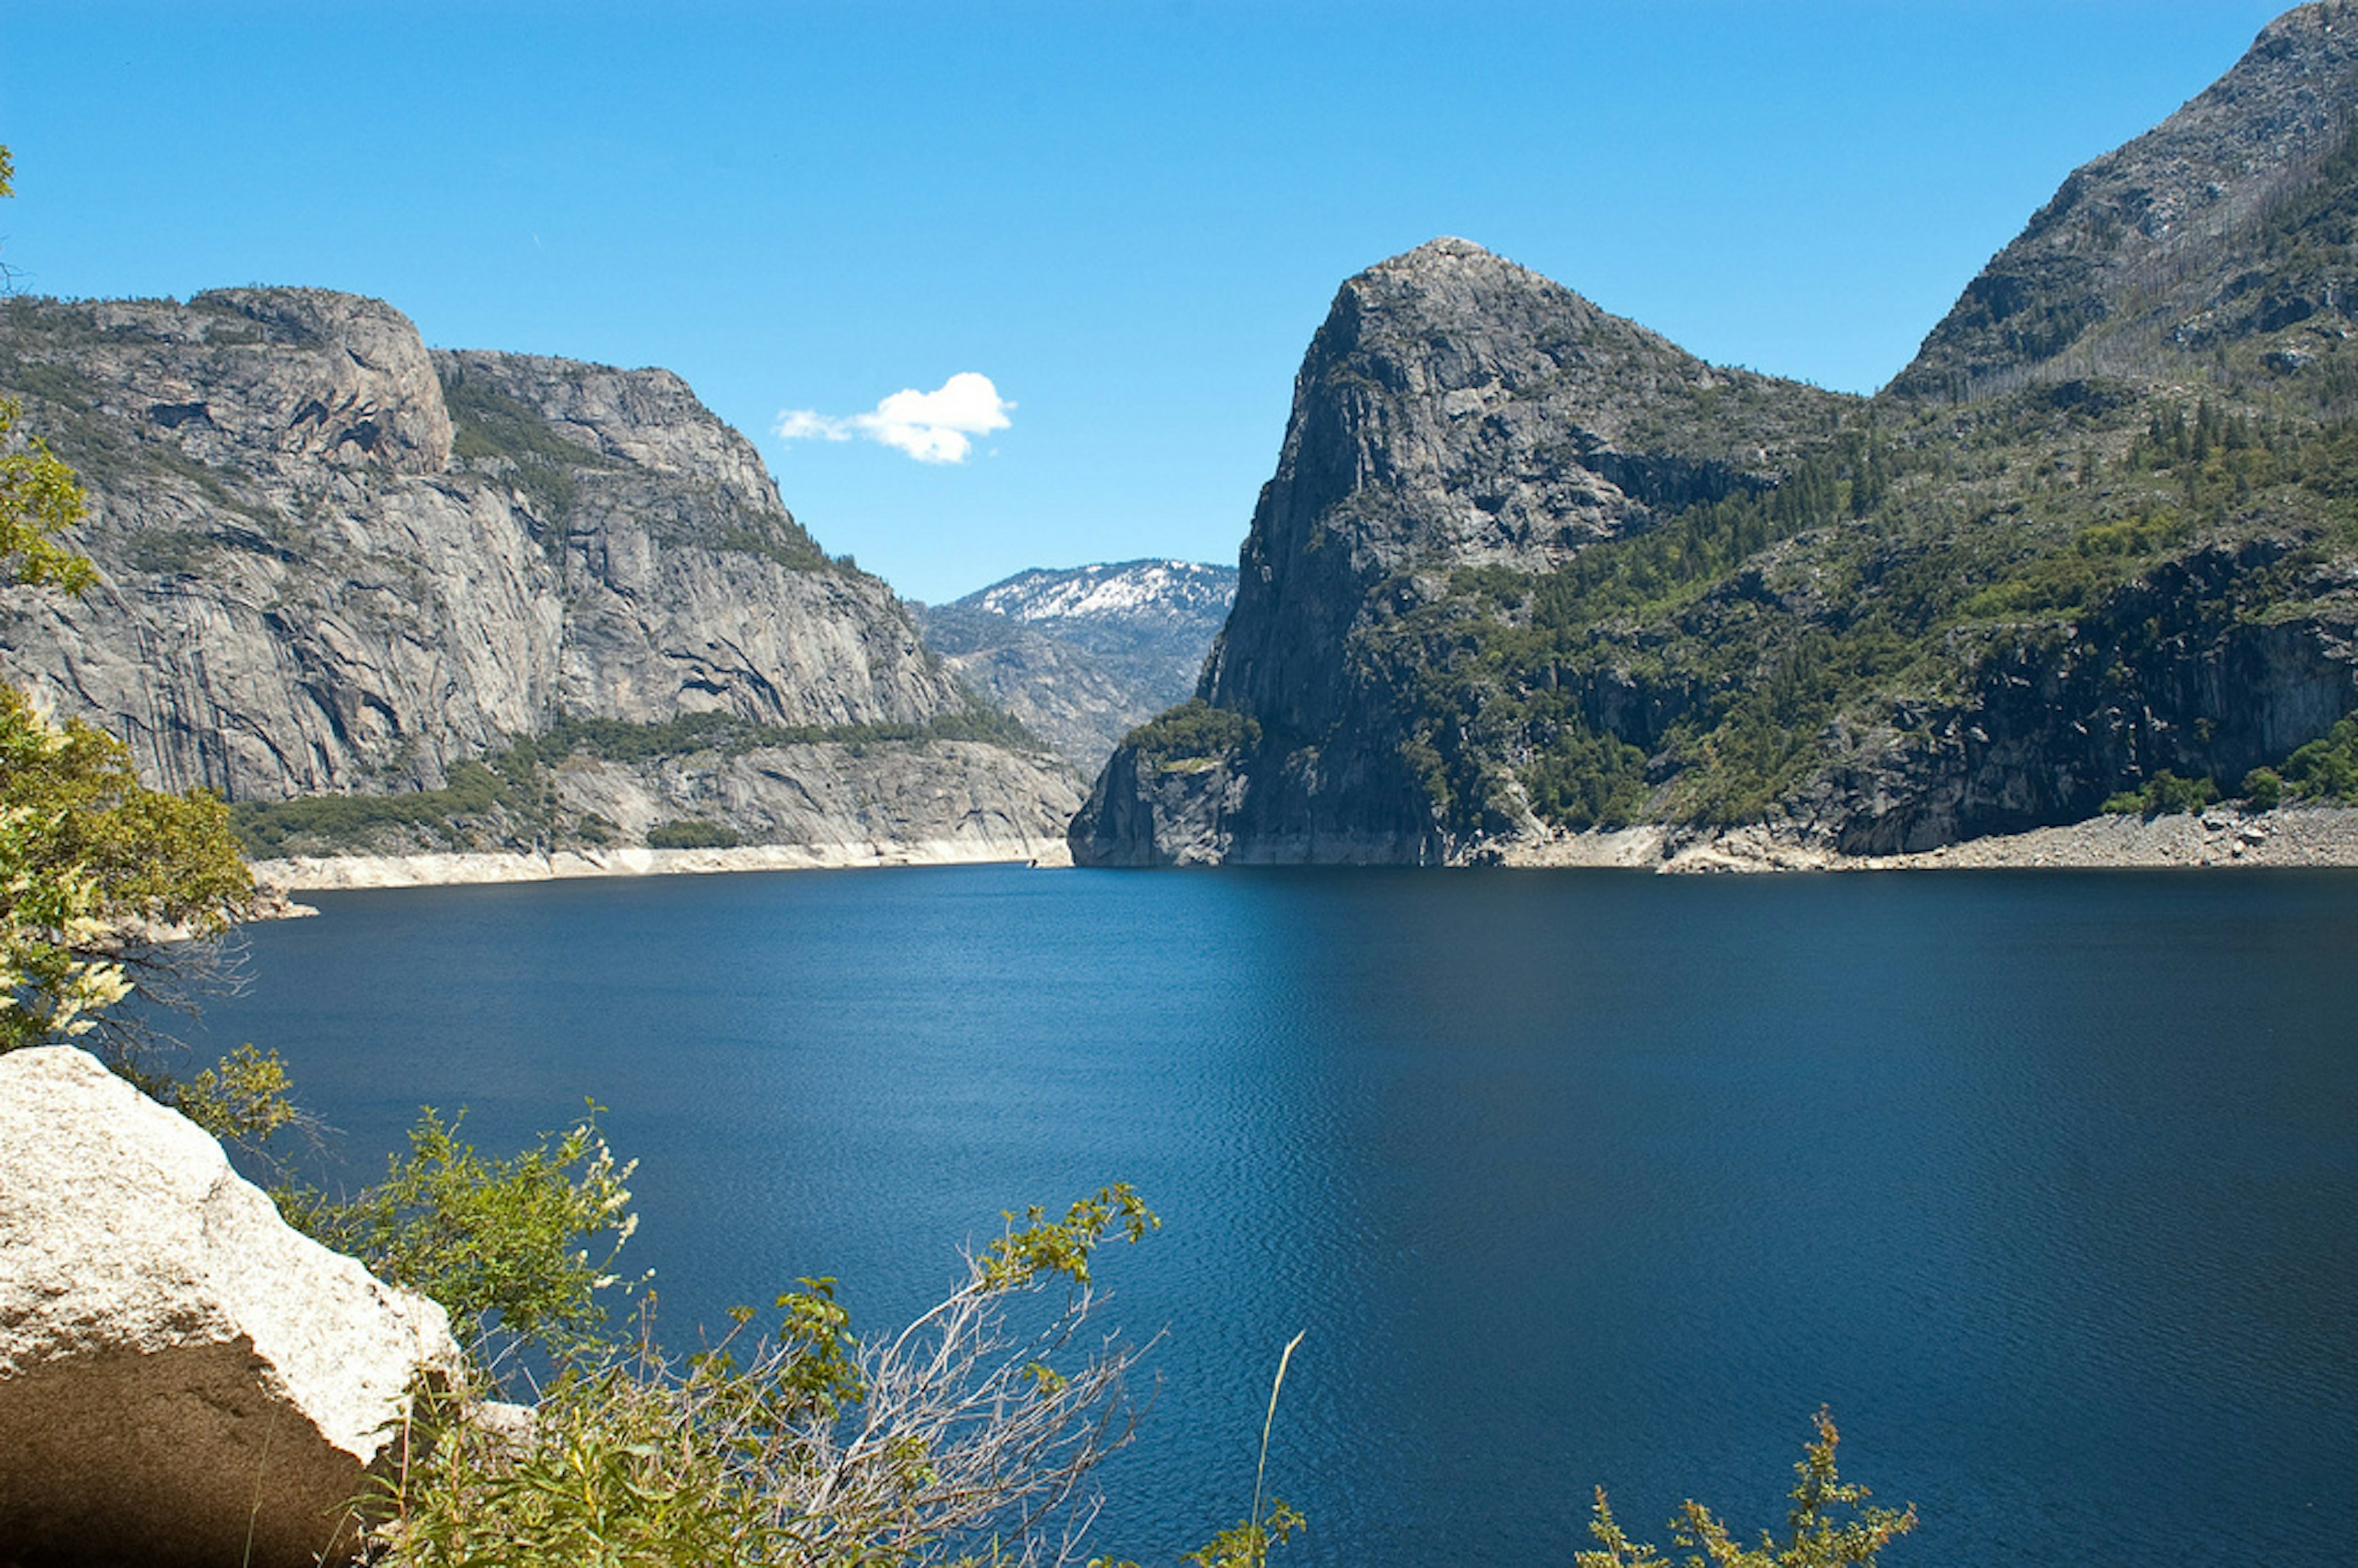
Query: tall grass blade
[1270,1420]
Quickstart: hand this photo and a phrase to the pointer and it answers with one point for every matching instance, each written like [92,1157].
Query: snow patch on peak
[1125,590]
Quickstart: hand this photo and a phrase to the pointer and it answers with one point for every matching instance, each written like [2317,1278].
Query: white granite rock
[183,1378]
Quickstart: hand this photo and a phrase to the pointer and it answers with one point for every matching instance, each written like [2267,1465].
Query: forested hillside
[2097,546]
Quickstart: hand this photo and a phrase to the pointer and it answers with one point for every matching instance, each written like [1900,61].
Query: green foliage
[1248,1544]
[2164,794]
[40,498]
[94,869]
[692,833]
[1194,732]
[1045,1247]
[2327,768]
[1827,1527]
[243,1098]
[2263,789]
[955,1441]
[518,1250]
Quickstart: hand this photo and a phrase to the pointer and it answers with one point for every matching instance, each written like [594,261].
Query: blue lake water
[2046,1183]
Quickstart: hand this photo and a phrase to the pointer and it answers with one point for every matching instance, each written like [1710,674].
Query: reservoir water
[2046,1183]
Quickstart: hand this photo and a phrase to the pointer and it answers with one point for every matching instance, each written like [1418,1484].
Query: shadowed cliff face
[1455,410]
[333,561]
[1525,569]
[2192,670]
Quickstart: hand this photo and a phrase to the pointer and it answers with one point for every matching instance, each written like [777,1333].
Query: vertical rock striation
[334,561]
[1453,411]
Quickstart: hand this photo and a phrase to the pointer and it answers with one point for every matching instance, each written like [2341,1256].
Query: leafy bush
[2164,794]
[2327,768]
[963,1438]
[1193,731]
[506,1245]
[692,833]
[39,497]
[95,871]
[1819,1535]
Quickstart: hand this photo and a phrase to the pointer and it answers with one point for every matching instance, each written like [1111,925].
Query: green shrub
[506,1245]
[2327,768]
[692,833]
[1192,731]
[2164,794]
[955,1439]
[2264,788]
[1819,1535]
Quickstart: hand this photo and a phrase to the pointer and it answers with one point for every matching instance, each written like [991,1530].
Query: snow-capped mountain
[1082,655]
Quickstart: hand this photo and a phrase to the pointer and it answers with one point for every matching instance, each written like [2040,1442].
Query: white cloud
[803,425]
[936,426]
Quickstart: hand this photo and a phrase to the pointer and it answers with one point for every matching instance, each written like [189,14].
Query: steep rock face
[333,560]
[1083,654]
[1457,410]
[1141,813]
[2185,671]
[686,584]
[1454,410]
[2101,531]
[2151,248]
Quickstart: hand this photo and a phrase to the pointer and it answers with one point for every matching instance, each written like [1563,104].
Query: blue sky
[1127,215]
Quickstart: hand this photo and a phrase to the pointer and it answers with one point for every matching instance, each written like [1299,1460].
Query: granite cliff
[2165,245]
[1526,571]
[335,562]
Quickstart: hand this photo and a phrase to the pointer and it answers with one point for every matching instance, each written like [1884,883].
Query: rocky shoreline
[315,873]
[2291,836]
[2223,836]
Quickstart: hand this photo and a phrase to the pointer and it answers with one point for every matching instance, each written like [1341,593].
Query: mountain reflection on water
[2046,1183]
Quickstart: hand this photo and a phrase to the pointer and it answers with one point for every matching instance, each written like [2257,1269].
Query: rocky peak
[284,376]
[2143,250]
[1113,593]
[646,420]
[331,560]
[1083,654]
[1456,409]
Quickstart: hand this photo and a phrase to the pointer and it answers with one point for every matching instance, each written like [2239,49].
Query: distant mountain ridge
[1081,654]
[1526,569]
[1128,594]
